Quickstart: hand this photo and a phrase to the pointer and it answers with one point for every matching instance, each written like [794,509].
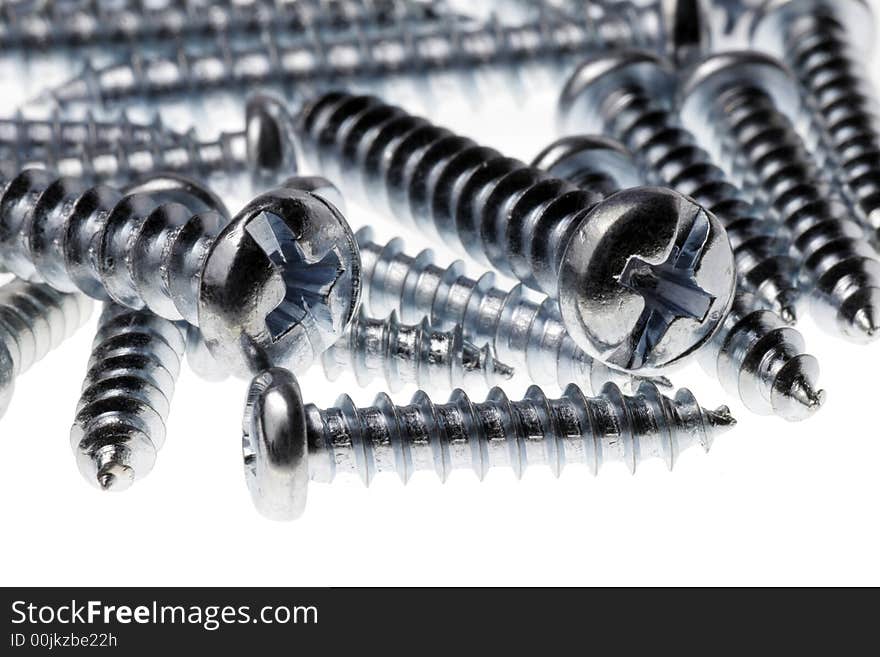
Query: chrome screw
[286,442]
[629,96]
[411,354]
[324,60]
[34,319]
[122,411]
[277,284]
[526,333]
[824,43]
[754,355]
[118,154]
[741,96]
[651,294]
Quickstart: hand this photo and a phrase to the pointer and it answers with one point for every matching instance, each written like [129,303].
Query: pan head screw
[280,283]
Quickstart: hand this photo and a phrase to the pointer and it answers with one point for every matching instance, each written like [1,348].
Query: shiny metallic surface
[540,229]
[123,408]
[593,162]
[286,443]
[525,332]
[740,95]
[411,354]
[34,319]
[278,282]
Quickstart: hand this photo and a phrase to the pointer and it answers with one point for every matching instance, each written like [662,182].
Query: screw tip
[866,323]
[115,477]
[721,419]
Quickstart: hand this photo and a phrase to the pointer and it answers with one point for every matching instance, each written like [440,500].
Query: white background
[773,503]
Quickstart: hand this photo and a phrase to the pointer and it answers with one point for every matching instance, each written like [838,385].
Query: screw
[643,278]
[327,60]
[741,96]
[754,354]
[34,319]
[123,408]
[411,354]
[276,284]
[52,26]
[628,96]
[287,442]
[824,43]
[117,154]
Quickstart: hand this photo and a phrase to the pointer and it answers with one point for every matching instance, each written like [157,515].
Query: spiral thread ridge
[527,334]
[499,432]
[322,60]
[122,411]
[820,52]
[489,203]
[34,319]
[669,154]
[54,24]
[838,265]
[128,249]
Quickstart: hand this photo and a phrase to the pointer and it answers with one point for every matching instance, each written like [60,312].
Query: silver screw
[287,442]
[323,60]
[741,95]
[119,153]
[34,319]
[277,284]
[526,333]
[825,43]
[643,278]
[754,354]
[629,96]
[411,354]
[51,26]
[122,411]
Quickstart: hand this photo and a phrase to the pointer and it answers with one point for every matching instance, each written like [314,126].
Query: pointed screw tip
[721,418]
[865,321]
[114,477]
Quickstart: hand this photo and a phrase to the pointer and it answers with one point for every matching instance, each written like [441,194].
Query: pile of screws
[697,195]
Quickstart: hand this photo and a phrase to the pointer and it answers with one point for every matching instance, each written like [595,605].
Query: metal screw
[825,43]
[754,354]
[326,60]
[407,354]
[34,319]
[629,96]
[121,414]
[51,26]
[741,95]
[526,333]
[117,154]
[277,284]
[643,278]
[287,442]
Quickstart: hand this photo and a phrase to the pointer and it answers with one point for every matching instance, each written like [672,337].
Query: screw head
[566,158]
[275,445]
[770,20]
[646,280]
[581,107]
[713,75]
[280,283]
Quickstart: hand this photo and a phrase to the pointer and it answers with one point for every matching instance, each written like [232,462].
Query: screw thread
[128,249]
[837,263]
[122,411]
[54,25]
[501,433]
[490,203]
[34,319]
[525,333]
[819,50]
[406,354]
[669,154]
[325,60]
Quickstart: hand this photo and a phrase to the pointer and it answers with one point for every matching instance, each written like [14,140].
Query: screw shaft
[122,412]
[525,333]
[500,433]
[406,354]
